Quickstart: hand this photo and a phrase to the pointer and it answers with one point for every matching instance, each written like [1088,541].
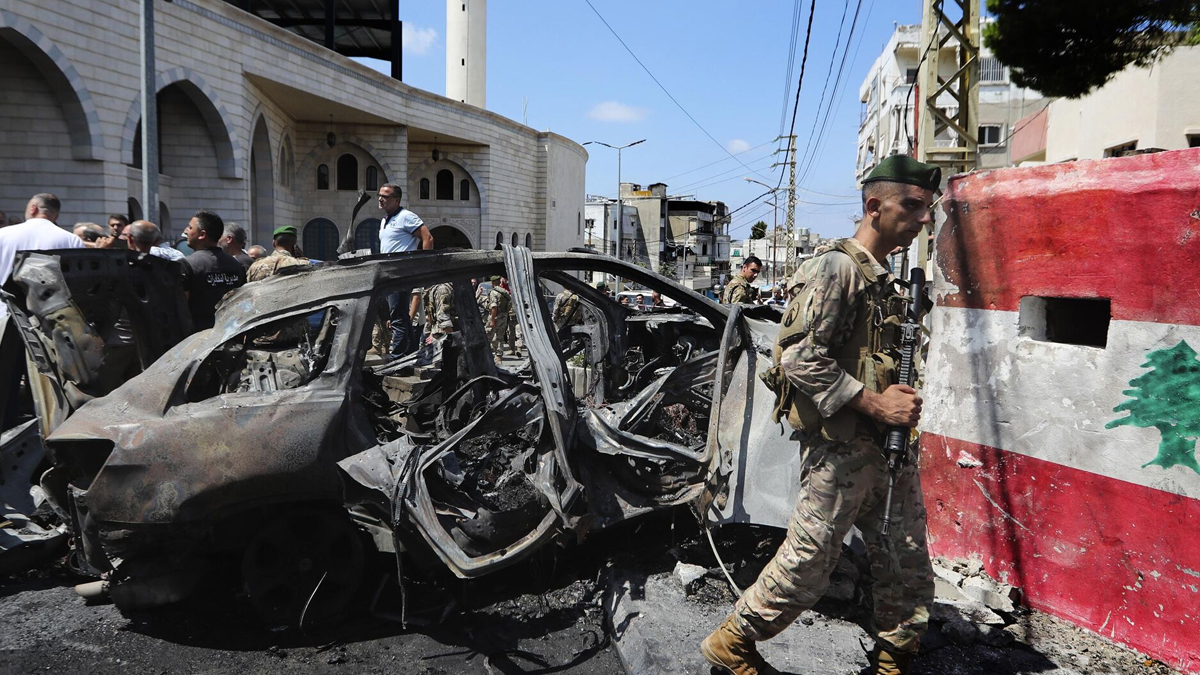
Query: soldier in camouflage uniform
[835,375]
[499,304]
[741,286]
[566,311]
[283,256]
[440,317]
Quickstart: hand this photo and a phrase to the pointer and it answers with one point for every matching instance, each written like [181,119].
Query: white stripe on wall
[986,384]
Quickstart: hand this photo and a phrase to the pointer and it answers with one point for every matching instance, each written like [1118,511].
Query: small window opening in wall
[464,62]
[1193,140]
[1072,321]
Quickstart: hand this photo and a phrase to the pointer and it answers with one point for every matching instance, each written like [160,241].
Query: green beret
[285,229]
[905,169]
[495,279]
[601,286]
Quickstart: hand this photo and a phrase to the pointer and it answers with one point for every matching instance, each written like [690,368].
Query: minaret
[466,51]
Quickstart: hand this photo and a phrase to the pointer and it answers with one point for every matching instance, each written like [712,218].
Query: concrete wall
[241,69]
[564,200]
[1040,452]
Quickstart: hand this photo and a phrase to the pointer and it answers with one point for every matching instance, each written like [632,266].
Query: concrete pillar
[466,51]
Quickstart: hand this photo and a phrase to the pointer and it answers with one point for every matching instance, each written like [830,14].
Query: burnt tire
[303,565]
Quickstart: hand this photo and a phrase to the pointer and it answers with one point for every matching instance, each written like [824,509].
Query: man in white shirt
[401,230]
[39,232]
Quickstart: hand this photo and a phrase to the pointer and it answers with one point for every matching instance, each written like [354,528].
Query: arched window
[135,209]
[464,189]
[283,173]
[321,239]
[372,178]
[424,188]
[445,184]
[347,172]
[528,240]
[366,235]
[516,240]
[323,177]
[499,240]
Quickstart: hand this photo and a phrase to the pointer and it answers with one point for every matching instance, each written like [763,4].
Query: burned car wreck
[279,438]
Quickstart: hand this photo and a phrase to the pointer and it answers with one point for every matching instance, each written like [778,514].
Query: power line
[787,78]
[800,84]
[723,159]
[664,89]
[932,39]
[736,169]
[837,83]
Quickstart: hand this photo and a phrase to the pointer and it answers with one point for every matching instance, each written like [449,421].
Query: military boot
[730,650]
[884,662]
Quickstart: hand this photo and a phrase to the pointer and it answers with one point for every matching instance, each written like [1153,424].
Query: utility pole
[789,264]
[962,86]
[149,116]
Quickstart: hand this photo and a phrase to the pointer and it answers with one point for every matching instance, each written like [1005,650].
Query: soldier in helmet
[832,375]
[741,287]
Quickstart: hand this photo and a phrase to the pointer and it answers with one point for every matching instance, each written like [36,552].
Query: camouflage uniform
[567,311]
[500,300]
[439,309]
[843,481]
[738,290]
[270,265]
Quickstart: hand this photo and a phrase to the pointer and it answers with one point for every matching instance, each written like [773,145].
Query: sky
[556,65]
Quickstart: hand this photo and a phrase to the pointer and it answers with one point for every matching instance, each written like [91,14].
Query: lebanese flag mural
[1063,392]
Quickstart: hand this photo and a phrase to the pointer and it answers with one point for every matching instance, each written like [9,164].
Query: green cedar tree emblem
[1168,399]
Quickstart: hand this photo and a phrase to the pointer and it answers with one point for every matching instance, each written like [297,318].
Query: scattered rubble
[689,576]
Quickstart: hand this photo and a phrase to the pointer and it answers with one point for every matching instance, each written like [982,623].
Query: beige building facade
[1154,108]
[264,127]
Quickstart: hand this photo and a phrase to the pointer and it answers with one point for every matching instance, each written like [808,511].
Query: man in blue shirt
[400,231]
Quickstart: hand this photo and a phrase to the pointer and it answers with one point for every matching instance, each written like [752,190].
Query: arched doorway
[262,183]
[47,124]
[135,209]
[366,235]
[448,236]
[320,239]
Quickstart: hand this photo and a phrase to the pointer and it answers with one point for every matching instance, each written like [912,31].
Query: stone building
[265,127]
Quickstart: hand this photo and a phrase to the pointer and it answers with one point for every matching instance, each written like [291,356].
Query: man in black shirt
[209,273]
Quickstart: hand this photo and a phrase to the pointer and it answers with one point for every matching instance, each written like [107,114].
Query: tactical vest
[429,299]
[871,354]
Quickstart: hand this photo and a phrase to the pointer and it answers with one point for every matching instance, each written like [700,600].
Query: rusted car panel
[92,319]
[278,407]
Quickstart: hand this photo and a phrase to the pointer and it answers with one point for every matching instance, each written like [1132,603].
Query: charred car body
[275,435]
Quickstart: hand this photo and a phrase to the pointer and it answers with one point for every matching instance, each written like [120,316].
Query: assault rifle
[896,446]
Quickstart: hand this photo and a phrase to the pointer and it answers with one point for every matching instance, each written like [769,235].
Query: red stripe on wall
[1126,229]
[1114,557]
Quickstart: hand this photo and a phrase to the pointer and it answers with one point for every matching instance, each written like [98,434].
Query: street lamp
[620,203]
[775,229]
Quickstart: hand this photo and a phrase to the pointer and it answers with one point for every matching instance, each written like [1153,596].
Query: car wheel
[303,566]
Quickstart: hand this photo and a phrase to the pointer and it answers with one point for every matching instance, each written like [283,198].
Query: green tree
[1070,47]
[759,230]
[667,269]
[1168,399]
